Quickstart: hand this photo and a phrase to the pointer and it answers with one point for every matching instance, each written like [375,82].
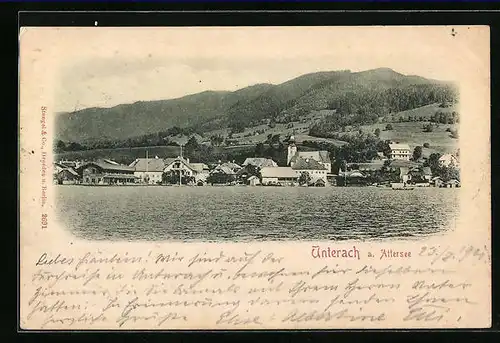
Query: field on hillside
[299,139]
[413,134]
[258,134]
[408,132]
[424,112]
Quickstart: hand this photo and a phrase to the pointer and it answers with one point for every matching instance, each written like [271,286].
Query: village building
[449,160]
[223,169]
[315,169]
[246,172]
[222,174]
[71,164]
[279,176]
[400,151]
[106,172]
[250,173]
[259,162]
[351,178]
[366,167]
[453,183]
[322,157]
[317,183]
[231,165]
[380,156]
[377,165]
[58,167]
[436,181]
[148,170]
[415,175]
[253,181]
[179,168]
[202,171]
[67,176]
[179,165]
[294,156]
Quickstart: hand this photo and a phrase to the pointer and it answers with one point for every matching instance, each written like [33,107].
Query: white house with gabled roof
[179,166]
[148,170]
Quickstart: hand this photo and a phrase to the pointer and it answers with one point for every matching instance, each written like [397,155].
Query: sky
[104,67]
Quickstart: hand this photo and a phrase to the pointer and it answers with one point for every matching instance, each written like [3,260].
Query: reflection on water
[254,213]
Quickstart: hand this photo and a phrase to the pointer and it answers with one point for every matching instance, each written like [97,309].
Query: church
[316,163]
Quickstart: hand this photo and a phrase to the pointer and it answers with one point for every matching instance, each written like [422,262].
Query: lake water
[254,213]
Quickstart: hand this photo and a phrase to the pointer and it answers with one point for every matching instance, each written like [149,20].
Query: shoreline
[388,187]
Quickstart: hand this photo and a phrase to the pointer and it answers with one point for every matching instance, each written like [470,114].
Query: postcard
[222,178]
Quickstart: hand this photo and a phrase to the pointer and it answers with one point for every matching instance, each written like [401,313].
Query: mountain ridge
[216,109]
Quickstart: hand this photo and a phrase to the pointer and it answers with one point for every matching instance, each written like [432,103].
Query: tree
[388,127]
[304,178]
[428,128]
[192,146]
[433,162]
[275,139]
[73,146]
[377,132]
[272,123]
[448,173]
[220,178]
[384,147]
[216,140]
[169,178]
[417,153]
[260,150]
[386,167]
[427,145]
[269,139]
[237,126]
[251,170]
[60,146]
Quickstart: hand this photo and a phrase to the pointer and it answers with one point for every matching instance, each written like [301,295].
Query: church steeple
[292,149]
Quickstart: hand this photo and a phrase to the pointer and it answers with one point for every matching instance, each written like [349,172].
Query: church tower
[292,149]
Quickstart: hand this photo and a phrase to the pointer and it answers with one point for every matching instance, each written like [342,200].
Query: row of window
[320,172]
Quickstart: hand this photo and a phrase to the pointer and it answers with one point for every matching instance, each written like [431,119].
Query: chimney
[187,160]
